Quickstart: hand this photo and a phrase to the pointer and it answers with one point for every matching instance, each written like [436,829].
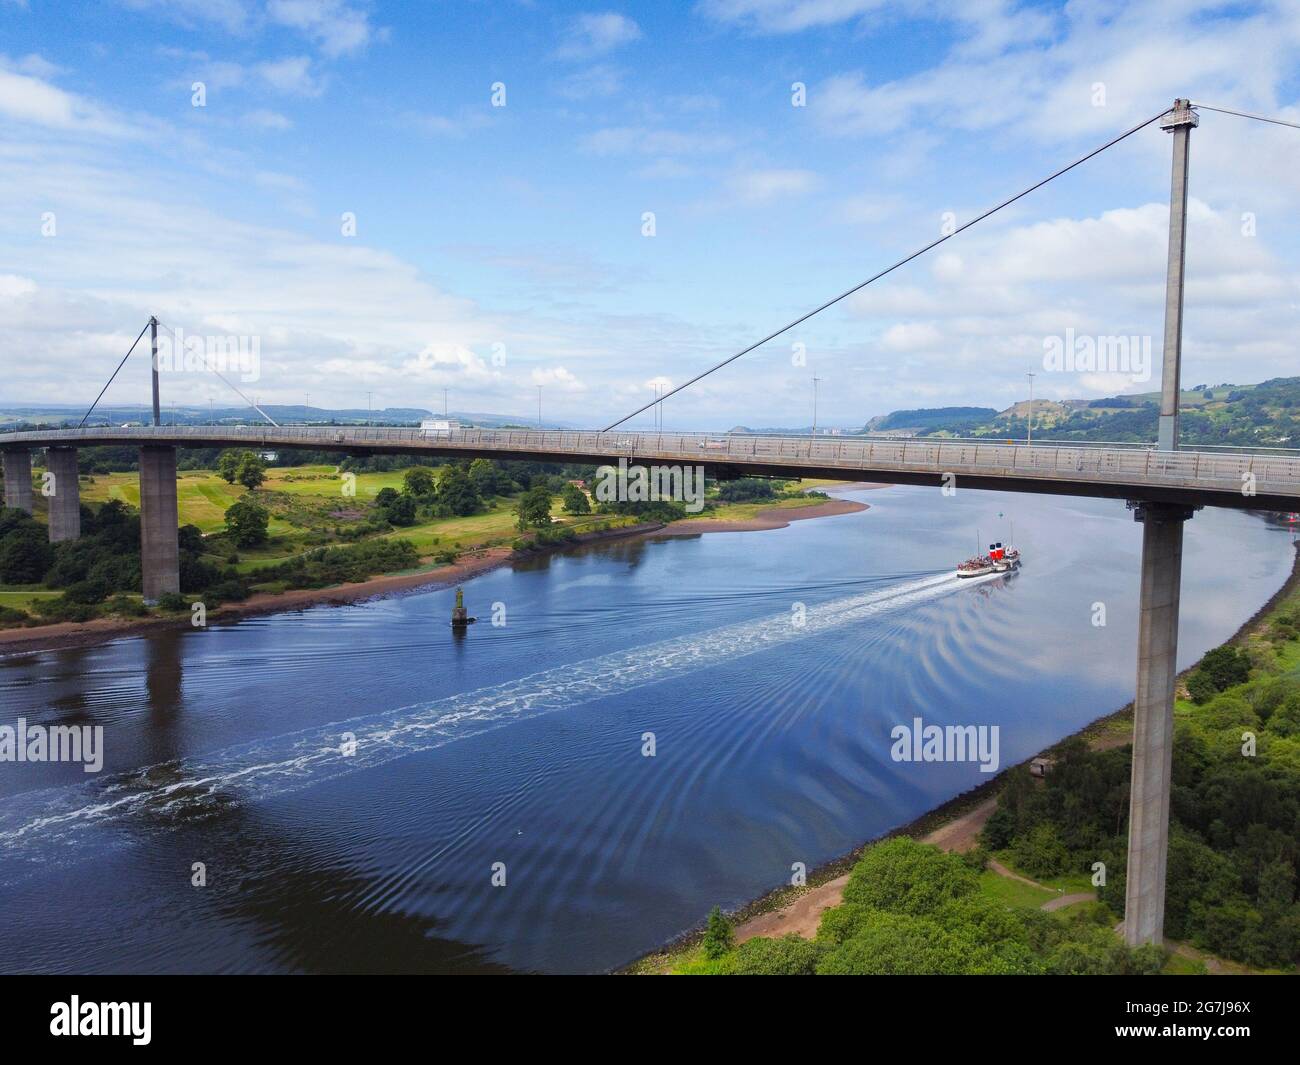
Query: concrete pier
[18,478]
[1153,720]
[159,547]
[65,499]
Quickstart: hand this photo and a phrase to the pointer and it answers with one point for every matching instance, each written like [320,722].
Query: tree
[456,491]
[418,481]
[745,489]
[486,478]
[401,511]
[251,471]
[25,555]
[386,498]
[534,508]
[575,499]
[246,522]
[717,934]
[1220,669]
[228,465]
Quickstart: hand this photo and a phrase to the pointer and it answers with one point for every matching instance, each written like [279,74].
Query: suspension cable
[1244,114]
[110,380]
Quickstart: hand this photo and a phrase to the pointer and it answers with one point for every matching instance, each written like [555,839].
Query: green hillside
[1262,415]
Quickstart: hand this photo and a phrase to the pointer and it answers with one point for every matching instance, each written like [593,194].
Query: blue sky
[498,248]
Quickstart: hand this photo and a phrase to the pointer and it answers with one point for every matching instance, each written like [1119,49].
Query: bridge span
[1245,479]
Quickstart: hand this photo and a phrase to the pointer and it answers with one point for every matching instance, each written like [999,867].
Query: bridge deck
[1213,479]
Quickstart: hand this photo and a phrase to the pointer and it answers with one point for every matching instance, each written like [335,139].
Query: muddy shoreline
[71,634]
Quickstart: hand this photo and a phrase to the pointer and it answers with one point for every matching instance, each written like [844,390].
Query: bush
[127,606]
[746,490]
[904,876]
[1222,668]
[717,934]
[173,602]
[9,617]
[86,592]
[340,565]
[790,955]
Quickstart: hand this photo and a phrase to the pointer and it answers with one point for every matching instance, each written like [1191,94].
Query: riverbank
[64,635]
[954,825]
[764,520]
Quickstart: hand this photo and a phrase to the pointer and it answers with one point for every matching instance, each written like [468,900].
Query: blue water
[523,744]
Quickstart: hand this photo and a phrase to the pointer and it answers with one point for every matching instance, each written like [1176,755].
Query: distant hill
[1262,415]
[930,418]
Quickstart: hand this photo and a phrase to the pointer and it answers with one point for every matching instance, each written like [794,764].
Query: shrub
[905,876]
[86,592]
[9,617]
[790,955]
[717,934]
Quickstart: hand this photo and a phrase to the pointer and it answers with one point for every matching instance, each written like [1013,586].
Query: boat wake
[184,791]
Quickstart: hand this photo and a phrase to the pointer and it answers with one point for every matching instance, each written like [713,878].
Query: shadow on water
[307,911]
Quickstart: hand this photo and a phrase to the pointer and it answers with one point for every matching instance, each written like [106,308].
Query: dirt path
[962,834]
[1068,900]
[803,914]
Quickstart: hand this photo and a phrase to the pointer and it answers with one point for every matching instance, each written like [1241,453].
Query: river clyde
[359,789]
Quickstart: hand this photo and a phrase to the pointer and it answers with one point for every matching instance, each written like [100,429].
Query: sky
[380,201]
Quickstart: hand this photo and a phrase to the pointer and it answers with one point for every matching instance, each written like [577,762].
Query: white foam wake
[280,764]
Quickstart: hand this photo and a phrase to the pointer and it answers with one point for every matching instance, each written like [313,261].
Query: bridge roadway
[1254,480]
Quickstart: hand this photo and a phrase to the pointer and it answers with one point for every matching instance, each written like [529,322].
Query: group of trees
[450,490]
[1234,846]
[102,564]
[911,909]
[241,467]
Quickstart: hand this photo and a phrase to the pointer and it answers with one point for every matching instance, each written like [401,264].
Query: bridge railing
[1273,473]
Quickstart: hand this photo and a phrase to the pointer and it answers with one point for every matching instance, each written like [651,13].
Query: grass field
[1012,892]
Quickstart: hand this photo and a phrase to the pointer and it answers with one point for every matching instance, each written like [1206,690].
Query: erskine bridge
[1163,484]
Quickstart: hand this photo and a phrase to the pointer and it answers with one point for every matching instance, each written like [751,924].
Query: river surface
[356,781]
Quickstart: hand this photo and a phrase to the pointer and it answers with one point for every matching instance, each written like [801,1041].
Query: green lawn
[22,598]
[1012,892]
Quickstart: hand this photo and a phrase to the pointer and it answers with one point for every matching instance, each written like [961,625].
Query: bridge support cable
[1196,105]
[230,384]
[115,373]
[901,262]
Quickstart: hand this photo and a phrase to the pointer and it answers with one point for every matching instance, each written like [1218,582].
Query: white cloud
[787,16]
[595,34]
[338,28]
[557,377]
[638,140]
[267,120]
[764,186]
[292,75]
[27,98]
